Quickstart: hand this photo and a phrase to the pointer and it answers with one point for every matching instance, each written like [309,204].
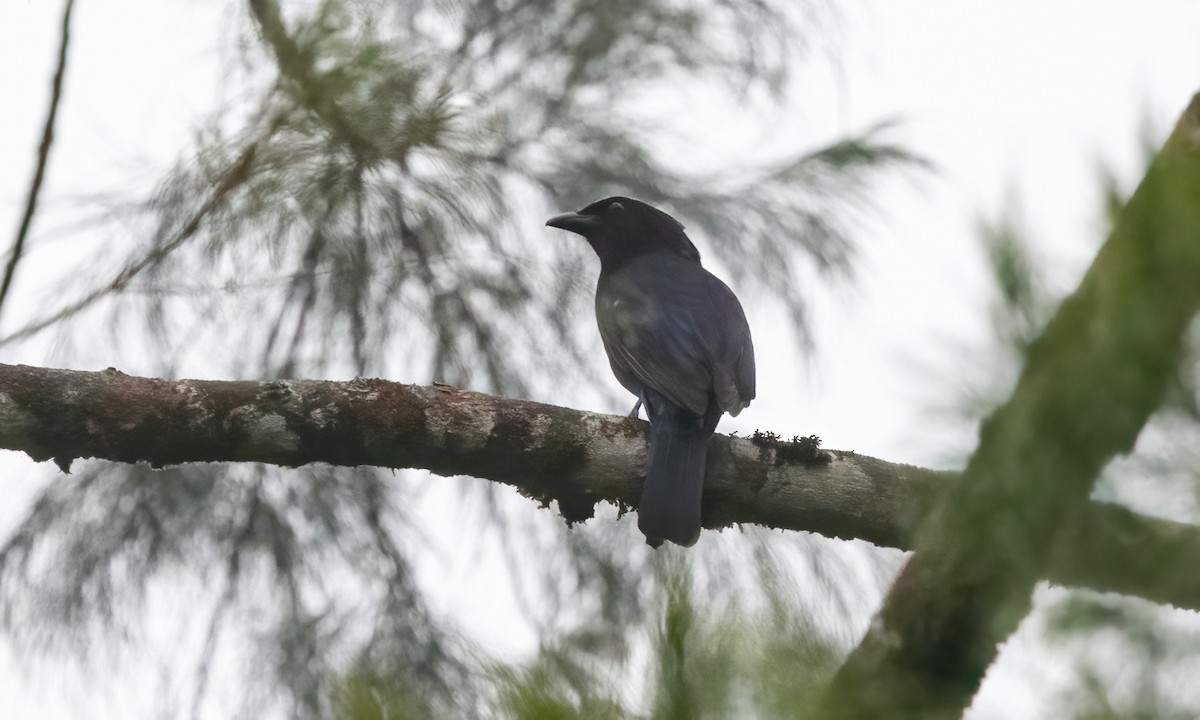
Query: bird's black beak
[574,222]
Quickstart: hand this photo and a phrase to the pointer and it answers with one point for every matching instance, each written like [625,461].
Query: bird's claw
[633,414]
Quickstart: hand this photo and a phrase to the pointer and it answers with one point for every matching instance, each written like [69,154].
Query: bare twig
[43,155]
[234,177]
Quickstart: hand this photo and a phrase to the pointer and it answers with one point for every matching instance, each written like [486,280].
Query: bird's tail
[670,507]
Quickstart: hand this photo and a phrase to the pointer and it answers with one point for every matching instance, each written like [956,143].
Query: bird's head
[618,228]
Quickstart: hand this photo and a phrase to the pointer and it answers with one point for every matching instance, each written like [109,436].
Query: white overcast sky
[1021,96]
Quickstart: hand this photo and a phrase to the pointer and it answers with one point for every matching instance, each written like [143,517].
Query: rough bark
[548,453]
[1091,381]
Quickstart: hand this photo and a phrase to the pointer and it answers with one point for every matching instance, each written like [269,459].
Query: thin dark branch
[359,277]
[232,179]
[43,156]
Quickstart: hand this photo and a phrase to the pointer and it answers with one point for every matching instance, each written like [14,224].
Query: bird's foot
[633,414]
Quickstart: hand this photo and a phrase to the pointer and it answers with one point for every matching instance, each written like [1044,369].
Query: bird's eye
[615,206]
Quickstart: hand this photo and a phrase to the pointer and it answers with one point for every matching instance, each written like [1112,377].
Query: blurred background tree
[369,202]
[1126,654]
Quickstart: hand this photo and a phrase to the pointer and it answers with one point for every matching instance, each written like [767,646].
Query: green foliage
[365,696]
[558,683]
[703,660]
[1023,305]
[727,660]
[1127,656]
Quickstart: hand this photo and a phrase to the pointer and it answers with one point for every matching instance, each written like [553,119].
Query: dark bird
[677,338]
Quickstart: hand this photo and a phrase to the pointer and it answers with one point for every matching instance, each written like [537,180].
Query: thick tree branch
[1091,381]
[547,452]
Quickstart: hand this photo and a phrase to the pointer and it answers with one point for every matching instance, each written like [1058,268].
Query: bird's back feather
[669,324]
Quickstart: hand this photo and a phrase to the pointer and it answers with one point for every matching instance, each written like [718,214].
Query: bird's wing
[725,330]
[670,325]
